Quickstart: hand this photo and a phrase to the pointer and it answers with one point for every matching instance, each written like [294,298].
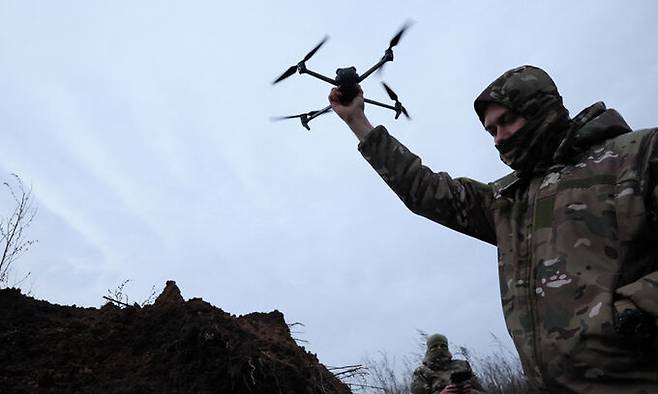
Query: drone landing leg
[314,114]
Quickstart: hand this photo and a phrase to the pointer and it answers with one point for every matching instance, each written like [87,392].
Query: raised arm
[461,204]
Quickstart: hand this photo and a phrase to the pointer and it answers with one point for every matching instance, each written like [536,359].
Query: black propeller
[398,106]
[305,117]
[310,54]
[290,71]
[388,54]
[396,39]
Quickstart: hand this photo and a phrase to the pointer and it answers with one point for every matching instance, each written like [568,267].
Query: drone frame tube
[373,102]
[301,67]
[397,108]
[388,57]
[306,119]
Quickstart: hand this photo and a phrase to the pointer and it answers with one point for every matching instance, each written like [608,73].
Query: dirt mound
[172,346]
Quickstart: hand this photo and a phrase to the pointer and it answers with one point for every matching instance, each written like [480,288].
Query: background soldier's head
[437,349]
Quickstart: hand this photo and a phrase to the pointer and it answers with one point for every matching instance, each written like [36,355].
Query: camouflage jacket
[426,380]
[572,240]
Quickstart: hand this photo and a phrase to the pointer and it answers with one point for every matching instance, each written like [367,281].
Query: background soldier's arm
[419,384]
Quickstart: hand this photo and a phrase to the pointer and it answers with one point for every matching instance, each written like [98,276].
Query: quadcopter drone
[347,81]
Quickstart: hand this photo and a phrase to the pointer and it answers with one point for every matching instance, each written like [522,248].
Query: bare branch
[150,298]
[121,303]
[12,228]
[119,295]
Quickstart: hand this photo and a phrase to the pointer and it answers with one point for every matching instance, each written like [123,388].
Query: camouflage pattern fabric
[432,379]
[527,89]
[530,92]
[573,240]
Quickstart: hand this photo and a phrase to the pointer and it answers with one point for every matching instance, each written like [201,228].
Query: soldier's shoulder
[501,184]
[422,370]
[632,138]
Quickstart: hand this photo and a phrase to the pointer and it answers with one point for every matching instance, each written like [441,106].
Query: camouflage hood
[530,92]
[591,126]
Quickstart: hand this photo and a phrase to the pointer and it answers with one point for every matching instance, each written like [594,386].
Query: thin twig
[116,301]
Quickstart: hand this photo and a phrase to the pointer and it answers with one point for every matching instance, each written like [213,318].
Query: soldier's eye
[509,118]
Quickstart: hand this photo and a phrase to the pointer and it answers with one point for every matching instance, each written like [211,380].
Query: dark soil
[172,346]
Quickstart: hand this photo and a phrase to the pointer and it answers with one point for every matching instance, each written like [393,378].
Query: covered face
[529,92]
[437,350]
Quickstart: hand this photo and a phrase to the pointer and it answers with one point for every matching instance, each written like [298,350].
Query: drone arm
[305,118]
[388,57]
[373,102]
[304,70]
[320,112]
[398,108]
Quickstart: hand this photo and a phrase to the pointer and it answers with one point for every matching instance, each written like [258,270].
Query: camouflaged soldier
[575,224]
[440,374]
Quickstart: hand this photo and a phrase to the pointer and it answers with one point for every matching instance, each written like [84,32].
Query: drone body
[347,80]
[348,84]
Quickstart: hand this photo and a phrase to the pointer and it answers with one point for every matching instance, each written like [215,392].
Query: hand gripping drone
[347,81]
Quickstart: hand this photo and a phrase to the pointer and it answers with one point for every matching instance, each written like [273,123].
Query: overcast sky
[143,129]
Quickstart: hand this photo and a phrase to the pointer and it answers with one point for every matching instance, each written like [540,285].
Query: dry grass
[499,372]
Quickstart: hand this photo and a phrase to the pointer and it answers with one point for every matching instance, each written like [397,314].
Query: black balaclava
[530,92]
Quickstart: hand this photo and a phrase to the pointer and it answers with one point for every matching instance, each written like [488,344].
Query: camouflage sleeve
[644,291]
[419,384]
[461,204]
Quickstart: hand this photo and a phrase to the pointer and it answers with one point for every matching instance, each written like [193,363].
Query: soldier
[575,224]
[440,374]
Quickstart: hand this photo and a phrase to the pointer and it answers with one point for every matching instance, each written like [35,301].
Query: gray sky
[143,128]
